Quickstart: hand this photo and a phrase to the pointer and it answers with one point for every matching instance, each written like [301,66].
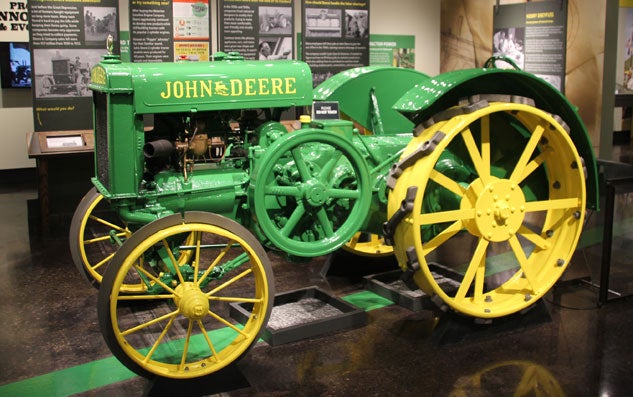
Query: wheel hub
[315,193]
[191,301]
[500,209]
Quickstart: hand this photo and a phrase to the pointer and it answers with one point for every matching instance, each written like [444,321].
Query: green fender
[353,89]
[432,95]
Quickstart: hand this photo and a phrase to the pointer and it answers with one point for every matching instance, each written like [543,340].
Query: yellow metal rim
[213,360]
[494,211]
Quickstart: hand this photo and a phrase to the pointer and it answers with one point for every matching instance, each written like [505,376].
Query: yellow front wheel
[496,200]
[180,326]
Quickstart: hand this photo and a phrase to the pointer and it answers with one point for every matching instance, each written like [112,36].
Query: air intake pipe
[159,149]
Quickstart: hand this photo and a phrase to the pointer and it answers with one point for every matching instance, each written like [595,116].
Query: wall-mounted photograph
[275,20]
[64,72]
[99,22]
[323,22]
[356,24]
[270,48]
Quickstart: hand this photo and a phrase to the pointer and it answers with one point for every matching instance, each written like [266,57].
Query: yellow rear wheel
[180,326]
[368,244]
[498,199]
[96,233]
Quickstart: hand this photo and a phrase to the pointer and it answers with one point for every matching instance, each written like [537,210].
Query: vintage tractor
[201,167]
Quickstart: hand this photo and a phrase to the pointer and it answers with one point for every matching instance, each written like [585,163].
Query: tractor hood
[201,86]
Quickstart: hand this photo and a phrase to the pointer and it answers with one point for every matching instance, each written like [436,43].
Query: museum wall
[406,17]
[420,18]
[466,42]
[16,114]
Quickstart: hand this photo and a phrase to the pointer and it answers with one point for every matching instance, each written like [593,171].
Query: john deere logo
[231,88]
[199,9]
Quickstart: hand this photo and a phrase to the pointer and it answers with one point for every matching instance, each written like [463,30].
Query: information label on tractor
[325,110]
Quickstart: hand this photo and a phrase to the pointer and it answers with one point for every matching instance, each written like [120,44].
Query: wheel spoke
[102,238]
[235,299]
[214,353]
[533,237]
[528,272]
[227,323]
[480,277]
[144,297]
[154,278]
[476,270]
[344,193]
[106,223]
[329,166]
[552,204]
[185,349]
[304,171]
[216,261]
[485,144]
[483,170]
[159,340]
[431,218]
[447,182]
[196,261]
[151,322]
[293,191]
[354,240]
[531,167]
[103,261]
[228,282]
[442,237]
[173,261]
[325,222]
[519,169]
[294,219]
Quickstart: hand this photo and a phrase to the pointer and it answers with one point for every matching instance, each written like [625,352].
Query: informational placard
[325,110]
[165,31]
[67,39]
[533,36]
[335,36]
[14,21]
[392,50]
[257,29]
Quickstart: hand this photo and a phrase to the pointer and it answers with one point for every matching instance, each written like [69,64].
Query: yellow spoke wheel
[181,326]
[505,230]
[368,244]
[94,231]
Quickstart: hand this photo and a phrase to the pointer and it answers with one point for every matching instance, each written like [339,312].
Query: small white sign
[57,142]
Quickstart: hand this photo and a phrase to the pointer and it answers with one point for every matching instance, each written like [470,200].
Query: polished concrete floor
[50,344]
